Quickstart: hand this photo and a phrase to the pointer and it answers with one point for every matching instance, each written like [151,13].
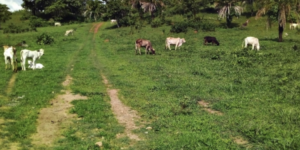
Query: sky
[13,5]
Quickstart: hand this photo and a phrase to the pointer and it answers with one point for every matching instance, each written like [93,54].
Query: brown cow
[144,43]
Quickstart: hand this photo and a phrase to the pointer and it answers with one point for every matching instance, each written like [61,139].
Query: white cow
[57,24]
[71,31]
[37,65]
[174,41]
[30,54]
[293,25]
[253,41]
[10,58]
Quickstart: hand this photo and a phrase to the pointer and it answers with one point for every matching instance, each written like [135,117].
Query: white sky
[13,5]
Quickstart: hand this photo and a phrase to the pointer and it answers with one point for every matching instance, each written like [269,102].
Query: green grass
[257,91]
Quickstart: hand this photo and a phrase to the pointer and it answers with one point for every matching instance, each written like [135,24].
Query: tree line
[131,12]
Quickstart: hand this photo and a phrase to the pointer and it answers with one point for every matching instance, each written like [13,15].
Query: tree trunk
[280,30]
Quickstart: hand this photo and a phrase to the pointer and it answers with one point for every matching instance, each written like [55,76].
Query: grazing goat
[211,39]
[144,43]
[37,65]
[294,25]
[30,54]
[71,31]
[174,41]
[57,24]
[245,24]
[253,41]
[10,58]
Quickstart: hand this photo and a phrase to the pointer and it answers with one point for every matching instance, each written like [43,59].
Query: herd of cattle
[11,59]
[179,41]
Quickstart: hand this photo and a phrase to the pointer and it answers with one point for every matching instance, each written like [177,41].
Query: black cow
[210,39]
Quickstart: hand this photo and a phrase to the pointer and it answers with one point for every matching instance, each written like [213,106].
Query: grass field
[255,92]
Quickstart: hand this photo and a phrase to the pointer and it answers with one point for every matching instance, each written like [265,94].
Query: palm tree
[228,9]
[283,8]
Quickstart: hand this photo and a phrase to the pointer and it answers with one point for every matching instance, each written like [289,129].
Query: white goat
[57,24]
[71,31]
[30,54]
[37,65]
[253,41]
[10,56]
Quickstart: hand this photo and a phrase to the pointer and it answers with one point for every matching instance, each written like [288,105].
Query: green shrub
[156,22]
[44,39]
[179,27]
[37,22]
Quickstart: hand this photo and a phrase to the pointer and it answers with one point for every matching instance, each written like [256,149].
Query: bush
[179,27]
[37,22]
[206,26]
[156,23]
[44,39]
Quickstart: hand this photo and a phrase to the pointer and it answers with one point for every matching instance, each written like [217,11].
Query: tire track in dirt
[53,119]
[4,142]
[124,114]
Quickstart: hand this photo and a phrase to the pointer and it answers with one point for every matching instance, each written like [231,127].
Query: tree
[4,13]
[94,9]
[57,9]
[282,8]
[228,9]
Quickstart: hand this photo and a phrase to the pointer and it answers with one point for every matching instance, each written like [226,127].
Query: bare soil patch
[52,119]
[206,106]
[11,83]
[123,113]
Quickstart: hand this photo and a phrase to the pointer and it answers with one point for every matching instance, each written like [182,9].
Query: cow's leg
[33,63]
[23,63]
[253,46]
[12,63]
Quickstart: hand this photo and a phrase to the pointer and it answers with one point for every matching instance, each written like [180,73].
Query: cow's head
[152,51]
[183,40]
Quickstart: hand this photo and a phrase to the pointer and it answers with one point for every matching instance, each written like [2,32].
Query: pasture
[255,94]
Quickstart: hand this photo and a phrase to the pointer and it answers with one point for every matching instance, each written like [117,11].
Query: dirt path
[53,118]
[125,115]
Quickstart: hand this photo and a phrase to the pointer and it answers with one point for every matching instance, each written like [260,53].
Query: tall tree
[93,9]
[282,8]
[4,13]
[228,9]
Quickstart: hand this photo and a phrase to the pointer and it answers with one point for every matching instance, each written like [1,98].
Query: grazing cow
[245,24]
[57,24]
[210,39]
[37,65]
[10,58]
[144,43]
[30,54]
[294,25]
[71,31]
[174,41]
[253,41]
